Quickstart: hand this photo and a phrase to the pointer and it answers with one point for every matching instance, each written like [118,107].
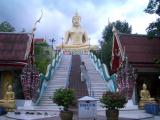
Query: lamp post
[52,40]
[89,44]
[62,43]
[100,50]
[101,55]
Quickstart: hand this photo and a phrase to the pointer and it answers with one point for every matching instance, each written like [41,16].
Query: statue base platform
[74,49]
[75,52]
[77,49]
[142,103]
[8,106]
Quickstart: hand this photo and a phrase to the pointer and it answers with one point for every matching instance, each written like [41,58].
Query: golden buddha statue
[9,100]
[145,96]
[76,38]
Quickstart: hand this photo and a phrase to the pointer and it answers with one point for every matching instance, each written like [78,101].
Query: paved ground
[124,115]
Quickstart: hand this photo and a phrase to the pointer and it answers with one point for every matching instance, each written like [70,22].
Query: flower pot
[66,115]
[112,114]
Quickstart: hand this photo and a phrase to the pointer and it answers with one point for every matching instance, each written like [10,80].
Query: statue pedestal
[142,104]
[8,105]
[74,49]
[75,52]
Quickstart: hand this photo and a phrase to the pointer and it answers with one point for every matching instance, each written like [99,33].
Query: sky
[57,16]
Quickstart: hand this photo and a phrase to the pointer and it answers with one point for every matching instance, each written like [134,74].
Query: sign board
[87,107]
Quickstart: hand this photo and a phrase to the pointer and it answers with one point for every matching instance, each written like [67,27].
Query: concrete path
[124,115]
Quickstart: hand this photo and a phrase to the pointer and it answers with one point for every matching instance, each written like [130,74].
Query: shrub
[113,100]
[64,97]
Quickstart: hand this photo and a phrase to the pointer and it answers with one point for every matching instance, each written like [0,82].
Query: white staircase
[59,80]
[98,85]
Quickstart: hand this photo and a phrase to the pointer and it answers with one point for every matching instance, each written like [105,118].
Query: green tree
[23,30]
[6,27]
[107,35]
[154,28]
[153,8]
[43,56]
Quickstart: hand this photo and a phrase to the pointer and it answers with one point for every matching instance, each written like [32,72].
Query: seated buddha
[76,38]
[145,96]
[9,100]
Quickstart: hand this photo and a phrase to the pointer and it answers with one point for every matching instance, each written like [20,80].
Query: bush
[113,100]
[64,97]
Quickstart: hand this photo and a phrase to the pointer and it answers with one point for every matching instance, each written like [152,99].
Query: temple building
[15,52]
[140,52]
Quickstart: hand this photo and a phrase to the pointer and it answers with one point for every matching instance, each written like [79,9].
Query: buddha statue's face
[9,88]
[76,20]
[144,87]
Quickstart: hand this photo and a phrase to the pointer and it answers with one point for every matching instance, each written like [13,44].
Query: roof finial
[124,53]
[108,21]
[34,27]
[76,12]
[114,29]
[32,45]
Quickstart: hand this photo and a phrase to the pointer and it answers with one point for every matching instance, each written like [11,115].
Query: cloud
[58,14]
[21,14]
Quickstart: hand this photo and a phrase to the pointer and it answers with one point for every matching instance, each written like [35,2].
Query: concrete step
[58,81]
[48,102]
[98,85]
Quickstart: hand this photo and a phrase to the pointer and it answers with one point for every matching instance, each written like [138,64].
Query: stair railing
[69,73]
[101,67]
[51,68]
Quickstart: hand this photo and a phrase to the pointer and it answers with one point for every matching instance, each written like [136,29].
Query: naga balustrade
[47,77]
[101,67]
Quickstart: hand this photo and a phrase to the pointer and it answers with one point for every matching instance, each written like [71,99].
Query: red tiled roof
[12,66]
[39,40]
[14,46]
[140,48]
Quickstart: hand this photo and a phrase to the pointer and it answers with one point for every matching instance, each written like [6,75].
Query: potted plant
[112,101]
[65,98]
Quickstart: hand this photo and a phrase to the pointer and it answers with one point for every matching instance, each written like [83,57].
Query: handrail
[101,67]
[69,73]
[45,78]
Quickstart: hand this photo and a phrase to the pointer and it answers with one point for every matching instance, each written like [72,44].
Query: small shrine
[133,59]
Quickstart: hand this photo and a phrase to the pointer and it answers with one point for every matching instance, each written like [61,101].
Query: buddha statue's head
[76,20]
[9,88]
[144,86]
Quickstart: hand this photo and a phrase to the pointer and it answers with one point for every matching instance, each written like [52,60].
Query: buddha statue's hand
[3,101]
[10,101]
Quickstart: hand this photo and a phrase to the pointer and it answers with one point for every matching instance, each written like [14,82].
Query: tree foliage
[154,28]
[107,35]
[43,56]
[153,8]
[122,27]
[6,27]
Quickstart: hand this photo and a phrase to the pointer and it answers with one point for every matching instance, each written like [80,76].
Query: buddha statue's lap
[9,100]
